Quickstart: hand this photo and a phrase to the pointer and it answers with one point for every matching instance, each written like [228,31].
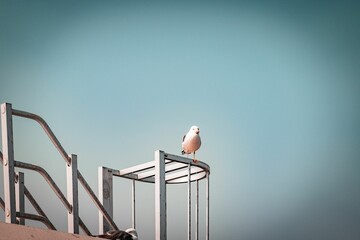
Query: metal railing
[12,201]
[165,169]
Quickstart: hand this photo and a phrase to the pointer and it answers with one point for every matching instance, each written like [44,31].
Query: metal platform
[165,169]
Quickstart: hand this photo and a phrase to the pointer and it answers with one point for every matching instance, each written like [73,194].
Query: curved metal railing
[46,176]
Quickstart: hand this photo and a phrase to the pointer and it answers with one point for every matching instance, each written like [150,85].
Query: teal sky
[273,87]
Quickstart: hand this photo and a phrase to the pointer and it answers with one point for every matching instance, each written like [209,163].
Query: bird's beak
[197,131]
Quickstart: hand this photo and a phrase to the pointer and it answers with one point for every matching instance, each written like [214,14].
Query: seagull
[191,142]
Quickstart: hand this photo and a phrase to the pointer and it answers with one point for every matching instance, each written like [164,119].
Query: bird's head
[195,129]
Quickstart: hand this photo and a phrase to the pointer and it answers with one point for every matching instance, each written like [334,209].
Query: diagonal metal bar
[42,213]
[84,228]
[96,201]
[2,204]
[37,206]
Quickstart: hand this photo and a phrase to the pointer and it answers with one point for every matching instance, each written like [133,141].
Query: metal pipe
[36,218]
[189,202]
[96,201]
[133,205]
[160,197]
[65,156]
[47,130]
[72,195]
[19,198]
[207,218]
[48,179]
[197,211]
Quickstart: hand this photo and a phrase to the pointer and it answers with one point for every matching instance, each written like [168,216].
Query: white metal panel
[160,196]
[105,196]
[8,162]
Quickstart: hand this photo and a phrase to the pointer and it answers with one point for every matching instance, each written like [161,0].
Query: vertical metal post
[207,222]
[197,211]
[20,203]
[105,188]
[189,202]
[133,205]
[8,162]
[160,196]
[72,195]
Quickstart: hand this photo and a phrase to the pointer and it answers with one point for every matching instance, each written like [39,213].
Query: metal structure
[165,169]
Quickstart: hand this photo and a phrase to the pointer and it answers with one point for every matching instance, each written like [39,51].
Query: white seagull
[191,141]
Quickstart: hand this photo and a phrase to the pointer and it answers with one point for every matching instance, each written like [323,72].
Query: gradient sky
[274,88]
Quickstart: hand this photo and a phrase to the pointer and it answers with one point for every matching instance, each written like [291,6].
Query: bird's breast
[192,143]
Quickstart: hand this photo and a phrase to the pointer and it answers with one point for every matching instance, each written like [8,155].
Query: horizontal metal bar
[47,130]
[48,179]
[171,168]
[96,201]
[137,168]
[194,177]
[187,161]
[131,176]
[181,174]
[36,218]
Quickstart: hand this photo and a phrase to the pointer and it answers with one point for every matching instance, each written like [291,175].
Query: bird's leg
[194,160]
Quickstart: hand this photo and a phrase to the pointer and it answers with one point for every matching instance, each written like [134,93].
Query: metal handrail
[36,218]
[68,160]
[47,130]
[66,157]
[32,200]
[48,179]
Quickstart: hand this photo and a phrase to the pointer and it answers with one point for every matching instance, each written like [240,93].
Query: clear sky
[273,87]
